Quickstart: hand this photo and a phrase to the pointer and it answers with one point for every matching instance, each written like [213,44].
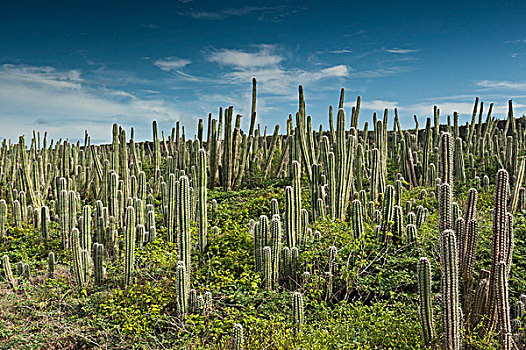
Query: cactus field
[361,235]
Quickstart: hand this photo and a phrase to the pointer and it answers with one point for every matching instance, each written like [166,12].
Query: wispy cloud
[260,13]
[32,97]
[268,65]
[398,50]
[502,84]
[171,63]
[41,76]
[265,56]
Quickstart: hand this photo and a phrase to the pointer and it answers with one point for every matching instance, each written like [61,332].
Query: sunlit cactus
[98,262]
[425,312]
[450,291]
[182,288]
[237,337]
[267,268]
[8,273]
[78,268]
[298,312]
[129,241]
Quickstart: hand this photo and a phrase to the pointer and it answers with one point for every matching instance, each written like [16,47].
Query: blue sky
[66,67]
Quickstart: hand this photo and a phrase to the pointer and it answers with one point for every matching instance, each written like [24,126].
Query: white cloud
[374,105]
[398,50]
[32,97]
[266,56]
[41,76]
[267,66]
[259,13]
[503,84]
[171,63]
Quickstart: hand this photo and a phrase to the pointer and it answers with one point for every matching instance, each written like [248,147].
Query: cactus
[425,313]
[237,337]
[51,265]
[182,287]
[3,218]
[498,245]
[357,218]
[17,214]
[411,233]
[44,222]
[290,219]
[184,238]
[275,246]
[78,268]
[505,337]
[450,291]
[202,223]
[8,273]
[398,224]
[267,268]
[446,158]
[298,313]
[98,262]
[129,241]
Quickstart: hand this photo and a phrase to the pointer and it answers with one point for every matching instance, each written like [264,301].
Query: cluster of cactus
[97,194]
[457,253]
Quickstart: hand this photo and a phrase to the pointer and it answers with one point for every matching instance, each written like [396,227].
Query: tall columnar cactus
[129,241]
[202,222]
[51,265]
[446,158]
[290,219]
[275,245]
[445,210]
[44,222]
[98,262]
[331,182]
[172,215]
[298,313]
[184,238]
[499,244]
[267,268]
[3,218]
[387,209]
[150,226]
[503,310]
[357,218]
[425,313]
[468,259]
[450,292]
[63,212]
[460,172]
[182,287]
[156,149]
[8,272]
[78,268]
[398,224]
[17,214]
[237,337]
[85,238]
[411,233]
[296,187]
[274,207]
